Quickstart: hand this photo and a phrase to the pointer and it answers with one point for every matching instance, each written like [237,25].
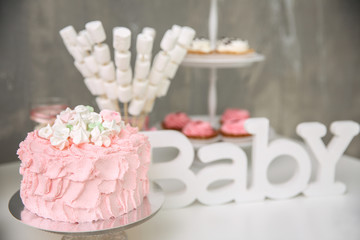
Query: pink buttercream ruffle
[199,129]
[176,120]
[234,127]
[84,182]
[234,114]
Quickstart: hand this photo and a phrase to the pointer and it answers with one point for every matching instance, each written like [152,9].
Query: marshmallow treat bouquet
[115,81]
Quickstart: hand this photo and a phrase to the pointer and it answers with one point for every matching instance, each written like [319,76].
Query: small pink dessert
[234,114]
[175,121]
[234,131]
[86,167]
[234,128]
[200,132]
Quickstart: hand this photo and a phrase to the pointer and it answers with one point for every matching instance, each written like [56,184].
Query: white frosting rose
[79,135]
[60,137]
[46,132]
[112,126]
[100,138]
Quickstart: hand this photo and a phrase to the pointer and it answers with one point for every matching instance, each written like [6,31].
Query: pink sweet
[234,127]
[176,120]
[199,129]
[234,113]
[84,182]
[108,115]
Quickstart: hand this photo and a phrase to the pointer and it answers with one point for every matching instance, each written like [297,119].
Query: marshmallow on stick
[144,45]
[174,45]
[89,59]
[106,68]
[122,55]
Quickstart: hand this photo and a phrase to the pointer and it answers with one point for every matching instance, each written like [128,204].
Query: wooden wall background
[311,72]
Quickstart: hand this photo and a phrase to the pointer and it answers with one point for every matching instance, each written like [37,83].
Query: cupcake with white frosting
[200,46]
[228,45]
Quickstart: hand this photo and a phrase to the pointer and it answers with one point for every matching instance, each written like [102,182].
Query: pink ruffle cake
[175,121]
[86,167]
[234,114]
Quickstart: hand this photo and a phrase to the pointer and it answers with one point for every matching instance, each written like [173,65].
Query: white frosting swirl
[100,138]
[46,132]
[60,137]
[79,135]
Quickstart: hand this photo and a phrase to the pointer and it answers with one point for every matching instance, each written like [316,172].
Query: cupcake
[234,131]
[233,46]
[200,46]
[175,121]
[200,132]
[234,114]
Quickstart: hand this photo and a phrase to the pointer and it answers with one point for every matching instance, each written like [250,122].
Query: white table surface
[302,218]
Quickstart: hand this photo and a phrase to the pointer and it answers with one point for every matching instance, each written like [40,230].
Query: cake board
[97,230]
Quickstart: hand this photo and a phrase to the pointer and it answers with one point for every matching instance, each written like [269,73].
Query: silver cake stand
[99,230]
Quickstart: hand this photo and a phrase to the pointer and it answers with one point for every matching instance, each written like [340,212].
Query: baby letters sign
[263,154]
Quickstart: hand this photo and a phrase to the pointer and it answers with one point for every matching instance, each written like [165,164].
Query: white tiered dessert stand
[216,61]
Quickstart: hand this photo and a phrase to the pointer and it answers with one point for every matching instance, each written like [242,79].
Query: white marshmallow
[124,77]
[85,72]
[105,103]
[144,44]
[90,85]
[149,105]
[139,88]
[102,53]
[95,85]
[149,31]
[136,105]
[99,84]
[68,35]
[143,57]
[177,54]
[121,39]
[69,47]
[176,30]
[125,93]
[160,61]
[142,69]
[168,41]
[151,91]
[171,69]
[83,41]
[163,88]
[186,37]
[87,35]
[91,64]
[107,72]
[155,76]
[96,31]
[77,52]
[122,60]
[111,90]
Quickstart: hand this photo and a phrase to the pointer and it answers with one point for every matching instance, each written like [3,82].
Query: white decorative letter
[312,132]
[262,156]
[237,171]
[174,169]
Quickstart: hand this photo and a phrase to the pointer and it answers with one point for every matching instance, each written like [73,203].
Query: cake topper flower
[83,125]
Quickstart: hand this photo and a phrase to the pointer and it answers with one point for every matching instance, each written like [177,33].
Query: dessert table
[336,217]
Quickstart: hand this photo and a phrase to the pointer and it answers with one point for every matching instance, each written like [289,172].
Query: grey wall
[311,72]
